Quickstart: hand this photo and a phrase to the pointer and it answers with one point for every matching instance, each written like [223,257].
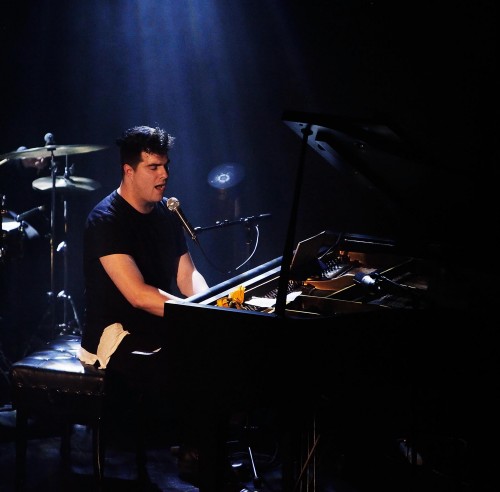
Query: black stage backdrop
[219,75]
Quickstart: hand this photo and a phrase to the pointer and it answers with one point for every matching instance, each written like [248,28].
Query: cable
[257,234]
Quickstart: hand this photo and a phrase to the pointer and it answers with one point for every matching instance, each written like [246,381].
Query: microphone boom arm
[225,223]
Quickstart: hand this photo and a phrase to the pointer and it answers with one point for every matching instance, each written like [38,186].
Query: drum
[14,236]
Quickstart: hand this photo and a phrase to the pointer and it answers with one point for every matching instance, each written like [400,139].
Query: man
[135,256]
[135,259]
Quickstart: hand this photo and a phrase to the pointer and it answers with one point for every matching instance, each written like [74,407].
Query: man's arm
[189,280]
[127,277]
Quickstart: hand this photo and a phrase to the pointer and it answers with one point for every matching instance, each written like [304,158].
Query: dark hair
[143,139]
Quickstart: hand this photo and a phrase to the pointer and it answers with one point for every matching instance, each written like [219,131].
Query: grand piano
[348,336]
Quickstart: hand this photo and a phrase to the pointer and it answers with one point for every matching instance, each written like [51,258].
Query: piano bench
[53,383]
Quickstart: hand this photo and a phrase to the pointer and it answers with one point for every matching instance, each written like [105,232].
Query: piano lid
[385,162]
[368,151]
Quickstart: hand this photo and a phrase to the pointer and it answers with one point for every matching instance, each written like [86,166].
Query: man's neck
[140,205]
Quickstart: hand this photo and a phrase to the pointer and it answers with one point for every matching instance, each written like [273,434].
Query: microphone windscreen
[172,203]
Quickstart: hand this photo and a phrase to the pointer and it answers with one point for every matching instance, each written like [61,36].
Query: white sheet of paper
[266,302]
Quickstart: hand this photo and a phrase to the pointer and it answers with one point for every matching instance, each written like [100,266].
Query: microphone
[368,281]
[174,206]
[49,139]
[26,214]
[375,282]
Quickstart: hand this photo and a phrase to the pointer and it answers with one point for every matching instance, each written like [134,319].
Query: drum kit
[16,224]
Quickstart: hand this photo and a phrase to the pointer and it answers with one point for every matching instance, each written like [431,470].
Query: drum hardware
[15,231]
[66,326]
[65,183]
[22,236]
[3,236]
[50,150]
[68,184]
[5,365]
[51,309]
[23,216]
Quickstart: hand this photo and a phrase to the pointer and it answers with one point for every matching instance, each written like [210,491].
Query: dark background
[219,75]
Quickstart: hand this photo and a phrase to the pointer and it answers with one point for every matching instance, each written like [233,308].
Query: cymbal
[57,150]
[226,175]
[71,184]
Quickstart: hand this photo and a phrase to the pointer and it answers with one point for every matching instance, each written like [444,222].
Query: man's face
[150,177]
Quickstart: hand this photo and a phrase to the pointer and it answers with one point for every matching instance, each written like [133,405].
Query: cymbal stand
[3,212]
[51,310]
[4,363]
[67,326]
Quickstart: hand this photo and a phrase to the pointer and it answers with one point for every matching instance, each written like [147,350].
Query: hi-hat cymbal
[226,175]
[57,150]
[71,184]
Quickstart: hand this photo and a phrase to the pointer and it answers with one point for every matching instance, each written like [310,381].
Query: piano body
[358,334]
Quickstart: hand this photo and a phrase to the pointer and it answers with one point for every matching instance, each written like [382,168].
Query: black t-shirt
[155,241]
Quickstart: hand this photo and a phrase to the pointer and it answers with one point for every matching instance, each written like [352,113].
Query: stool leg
[98,451]
[21,447]
[140,445]
[141,461]
[65,449]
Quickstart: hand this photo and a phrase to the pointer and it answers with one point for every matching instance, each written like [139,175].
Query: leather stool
[52,382]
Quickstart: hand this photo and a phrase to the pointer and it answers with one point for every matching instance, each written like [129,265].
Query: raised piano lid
[433,200]
[377,159]
[374,154]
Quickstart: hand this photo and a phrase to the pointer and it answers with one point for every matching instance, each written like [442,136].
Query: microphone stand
[245,221]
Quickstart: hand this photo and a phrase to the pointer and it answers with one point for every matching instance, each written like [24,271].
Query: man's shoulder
[105,211]
[107,206]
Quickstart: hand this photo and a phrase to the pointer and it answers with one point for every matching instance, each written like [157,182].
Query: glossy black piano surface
[371,338]
[372,343]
